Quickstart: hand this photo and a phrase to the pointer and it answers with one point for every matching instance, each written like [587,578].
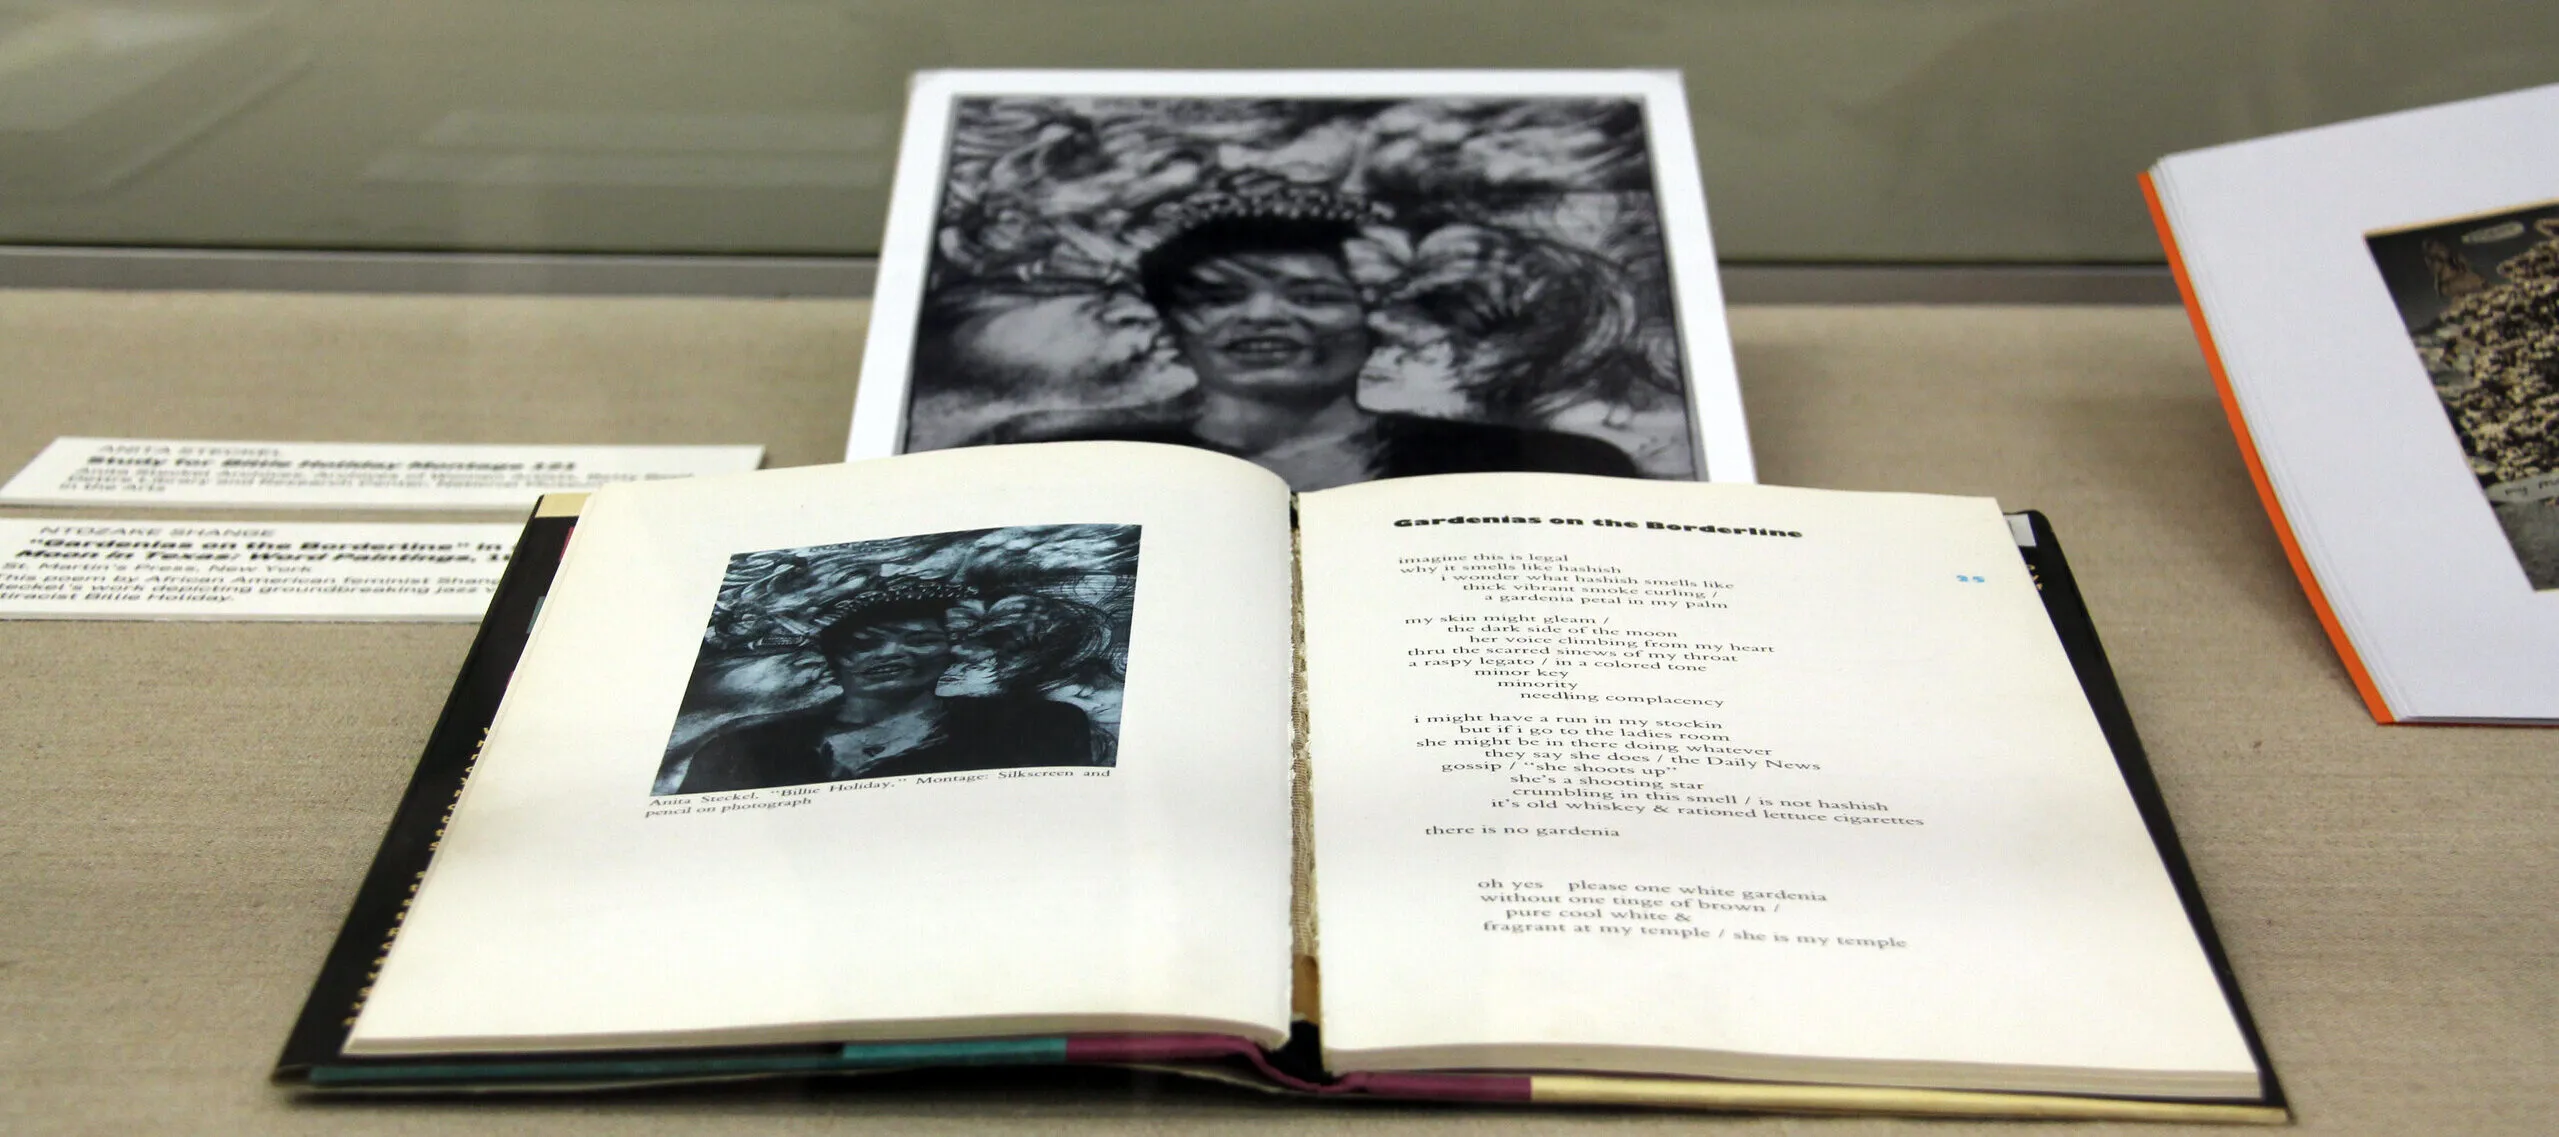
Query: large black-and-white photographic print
[930,654]
[2480,299]
[1337,287]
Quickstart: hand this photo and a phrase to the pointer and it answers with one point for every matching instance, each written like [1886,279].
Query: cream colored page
[1828,789]
[569,902]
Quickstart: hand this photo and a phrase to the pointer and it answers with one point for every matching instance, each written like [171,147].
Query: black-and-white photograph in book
[2480,299]
[938,653]
[1339,287]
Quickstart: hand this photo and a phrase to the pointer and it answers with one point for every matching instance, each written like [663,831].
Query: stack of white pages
[2380,303]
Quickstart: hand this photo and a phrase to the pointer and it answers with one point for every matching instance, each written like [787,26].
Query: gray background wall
[1830,130]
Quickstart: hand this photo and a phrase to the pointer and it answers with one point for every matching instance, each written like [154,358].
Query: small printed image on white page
[1677,770]
[951,744]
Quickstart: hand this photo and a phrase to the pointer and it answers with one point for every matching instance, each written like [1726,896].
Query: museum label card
[1338,275]
[373,475]
[143,570]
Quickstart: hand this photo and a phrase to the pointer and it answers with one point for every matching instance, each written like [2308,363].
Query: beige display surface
[189,808]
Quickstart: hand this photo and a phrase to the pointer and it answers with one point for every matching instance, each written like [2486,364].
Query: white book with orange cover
[2379,301]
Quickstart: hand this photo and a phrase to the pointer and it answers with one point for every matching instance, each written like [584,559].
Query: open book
[1556,788]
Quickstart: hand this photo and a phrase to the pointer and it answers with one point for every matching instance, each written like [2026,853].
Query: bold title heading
[1600,522]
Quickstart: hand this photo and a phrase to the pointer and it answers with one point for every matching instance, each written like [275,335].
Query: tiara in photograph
[895,590]
[1266,198]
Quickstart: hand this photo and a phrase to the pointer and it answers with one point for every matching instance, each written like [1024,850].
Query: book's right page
[1726,781]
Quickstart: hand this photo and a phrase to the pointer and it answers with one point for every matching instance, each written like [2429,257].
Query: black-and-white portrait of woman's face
[1278,325]
[890,658]
[931,653]
[1339,288]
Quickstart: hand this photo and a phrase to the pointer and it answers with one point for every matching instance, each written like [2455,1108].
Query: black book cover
[2069,612]
[347,975]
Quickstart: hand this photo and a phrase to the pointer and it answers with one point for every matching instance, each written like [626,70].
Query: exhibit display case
[237,225]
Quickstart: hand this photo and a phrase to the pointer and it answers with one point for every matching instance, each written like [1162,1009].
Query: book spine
[382,902]
[2319,605]
[2058,587]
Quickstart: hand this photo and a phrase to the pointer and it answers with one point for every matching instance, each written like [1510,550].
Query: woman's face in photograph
[1282,326]
[892,658]
[1086,342]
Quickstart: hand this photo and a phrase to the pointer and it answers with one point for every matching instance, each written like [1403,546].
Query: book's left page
[956,745]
